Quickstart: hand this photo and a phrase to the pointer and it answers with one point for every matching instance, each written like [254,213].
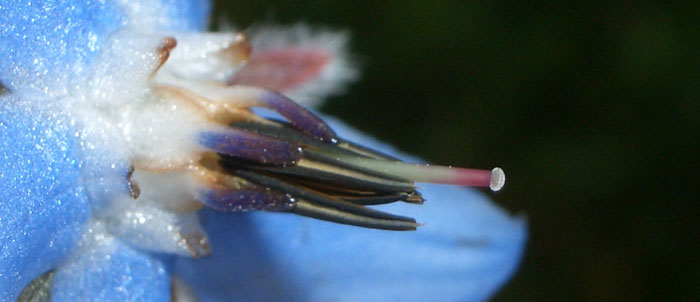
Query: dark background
[593,111]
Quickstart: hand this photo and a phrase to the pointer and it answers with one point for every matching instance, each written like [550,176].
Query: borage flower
[130,150]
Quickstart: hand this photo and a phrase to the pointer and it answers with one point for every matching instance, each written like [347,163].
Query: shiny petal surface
[467,248]
[184,15]
[46,43]
[42,203]
[103,268]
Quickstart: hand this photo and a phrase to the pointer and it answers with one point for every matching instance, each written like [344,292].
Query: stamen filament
[494,179]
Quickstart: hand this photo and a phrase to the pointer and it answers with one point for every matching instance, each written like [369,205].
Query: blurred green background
[592,109]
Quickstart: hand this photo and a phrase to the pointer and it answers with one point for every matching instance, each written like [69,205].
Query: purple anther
[249,199]
[298,116]
[251,146]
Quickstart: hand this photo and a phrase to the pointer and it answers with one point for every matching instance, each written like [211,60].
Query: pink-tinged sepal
[282,69]
[306,63]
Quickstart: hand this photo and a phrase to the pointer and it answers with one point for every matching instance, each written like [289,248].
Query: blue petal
[46,43]
[105,269]
[185,15]
[42,202]
[43,206]
[466,250]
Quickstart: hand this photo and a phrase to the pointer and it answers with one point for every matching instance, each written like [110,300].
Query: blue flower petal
[46,43]
[185,15]
[466,250]
[105,269]
[42,203]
